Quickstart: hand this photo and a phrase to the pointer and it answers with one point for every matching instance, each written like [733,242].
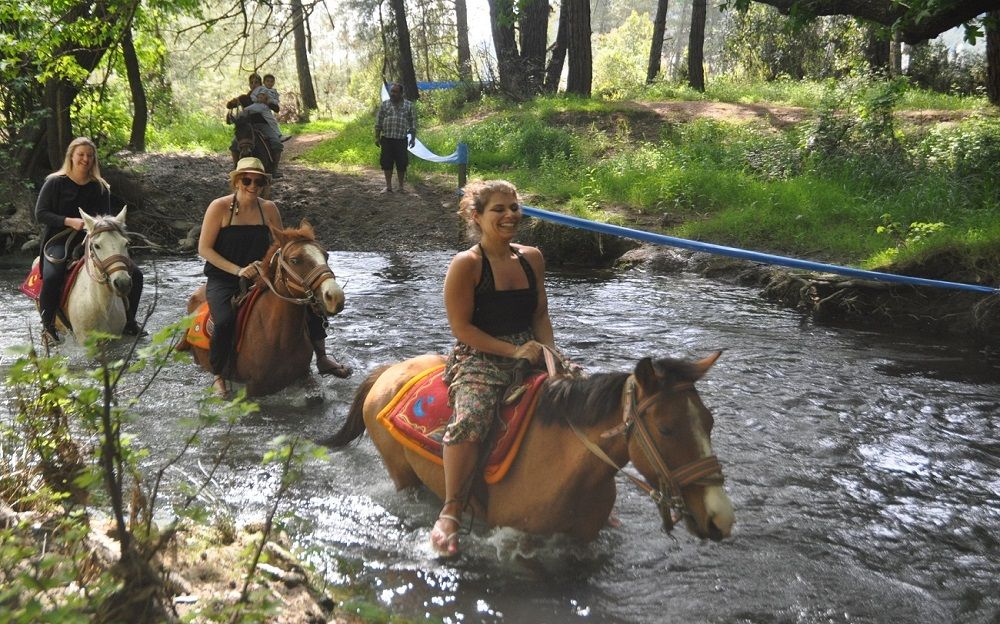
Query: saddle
[31,287]
[419,413]
[200,332]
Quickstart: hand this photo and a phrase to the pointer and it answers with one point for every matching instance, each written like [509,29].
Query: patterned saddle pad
[32,284]
[419,413]
[200,332]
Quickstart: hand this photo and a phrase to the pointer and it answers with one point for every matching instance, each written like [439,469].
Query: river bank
[167,193]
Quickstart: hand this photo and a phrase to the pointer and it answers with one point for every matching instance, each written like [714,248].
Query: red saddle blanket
[200,332]
[419,413]
[32,284]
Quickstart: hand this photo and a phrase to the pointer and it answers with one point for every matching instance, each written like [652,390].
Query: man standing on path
[395,120]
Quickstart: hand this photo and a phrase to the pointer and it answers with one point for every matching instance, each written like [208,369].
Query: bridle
[668,496]
[291,281]
[101,269]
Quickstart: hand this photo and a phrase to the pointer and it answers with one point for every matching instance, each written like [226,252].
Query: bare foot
[329,366]
[444,535]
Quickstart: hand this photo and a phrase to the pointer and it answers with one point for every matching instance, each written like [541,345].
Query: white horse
[98,298]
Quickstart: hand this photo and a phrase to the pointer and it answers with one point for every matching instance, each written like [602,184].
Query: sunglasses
[259,182]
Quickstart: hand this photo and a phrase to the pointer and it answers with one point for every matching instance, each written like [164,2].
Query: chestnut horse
[583,431]
[98,298]
[275,349]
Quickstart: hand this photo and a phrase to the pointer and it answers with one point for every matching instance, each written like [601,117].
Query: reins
[287,277]
[668,497]
[108,266]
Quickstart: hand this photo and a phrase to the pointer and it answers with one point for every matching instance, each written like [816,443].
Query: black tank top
[504,312]
[240,244]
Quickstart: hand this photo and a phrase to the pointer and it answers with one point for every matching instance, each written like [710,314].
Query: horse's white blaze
[330,294]
[717,504]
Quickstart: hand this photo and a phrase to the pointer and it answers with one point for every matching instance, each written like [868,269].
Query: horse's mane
[585,401]
[109,220]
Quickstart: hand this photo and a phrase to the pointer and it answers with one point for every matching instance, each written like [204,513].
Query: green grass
[743,184]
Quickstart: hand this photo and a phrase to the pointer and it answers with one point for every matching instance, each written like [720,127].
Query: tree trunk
[553,73]
[409,74]
[512,79]
[993,57]
[696,46]
[682,27]
[534,30]
[580,55]
[877,51]
[464,52]
[656,48]
[140,116]
[302,57]
[895,56]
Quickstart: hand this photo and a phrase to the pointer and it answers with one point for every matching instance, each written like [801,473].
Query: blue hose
[755,256]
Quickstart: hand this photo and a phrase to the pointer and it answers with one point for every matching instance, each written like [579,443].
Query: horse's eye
[665,430]
[96,246]
[295,260]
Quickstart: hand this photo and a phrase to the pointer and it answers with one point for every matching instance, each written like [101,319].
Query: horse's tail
[354,426]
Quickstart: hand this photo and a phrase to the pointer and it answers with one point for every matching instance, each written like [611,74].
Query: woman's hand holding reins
[249,272]
[74,222]
[532,351]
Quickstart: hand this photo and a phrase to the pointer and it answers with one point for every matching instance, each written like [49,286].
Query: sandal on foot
[445,544]
[221,388]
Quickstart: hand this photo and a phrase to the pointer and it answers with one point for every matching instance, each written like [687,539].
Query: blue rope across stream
[756,256]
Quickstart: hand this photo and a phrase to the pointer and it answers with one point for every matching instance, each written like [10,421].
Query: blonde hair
[475,195]
[67,166]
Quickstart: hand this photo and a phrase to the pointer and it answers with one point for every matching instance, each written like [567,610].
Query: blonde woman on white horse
[76,186]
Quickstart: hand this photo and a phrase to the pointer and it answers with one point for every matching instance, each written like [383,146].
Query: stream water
[864,466]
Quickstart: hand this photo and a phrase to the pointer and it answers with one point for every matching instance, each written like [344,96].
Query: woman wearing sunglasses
[235,233]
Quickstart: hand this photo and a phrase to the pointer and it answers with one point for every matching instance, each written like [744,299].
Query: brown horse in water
[652,417]
[275,350]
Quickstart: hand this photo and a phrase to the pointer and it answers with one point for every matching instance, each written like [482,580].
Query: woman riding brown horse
[583,431]
[295,282]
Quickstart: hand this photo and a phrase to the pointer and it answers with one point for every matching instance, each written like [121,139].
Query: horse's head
[296,267]
[670,443]
[106,251]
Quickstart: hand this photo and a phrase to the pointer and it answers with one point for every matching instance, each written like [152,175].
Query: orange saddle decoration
[200,333]
[419,413]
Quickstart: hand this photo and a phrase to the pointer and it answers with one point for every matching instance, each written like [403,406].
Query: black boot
[327,365]
[50,337]
[133,329]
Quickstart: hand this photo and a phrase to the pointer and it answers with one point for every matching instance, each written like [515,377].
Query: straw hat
[249,165]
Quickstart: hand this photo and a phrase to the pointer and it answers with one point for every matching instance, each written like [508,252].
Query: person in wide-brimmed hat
[235,233]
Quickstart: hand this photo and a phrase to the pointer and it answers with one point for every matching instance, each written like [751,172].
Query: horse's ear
[307,228]
[87,220]
[120,217]
[701,366]
[645,374]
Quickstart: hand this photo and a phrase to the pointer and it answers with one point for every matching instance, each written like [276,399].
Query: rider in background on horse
[259,106]
[236,233]
[494,295]
[76,186]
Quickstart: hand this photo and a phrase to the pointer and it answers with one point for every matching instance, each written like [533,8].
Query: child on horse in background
[77,185]
[263,100]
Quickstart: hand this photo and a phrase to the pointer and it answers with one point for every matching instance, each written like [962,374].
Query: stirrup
[51,337]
